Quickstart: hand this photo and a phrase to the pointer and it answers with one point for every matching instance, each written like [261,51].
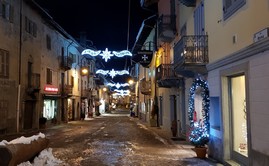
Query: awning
[51,95]
[144,31]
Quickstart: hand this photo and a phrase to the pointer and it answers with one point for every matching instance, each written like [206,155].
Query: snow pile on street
[23,140]
[45,158]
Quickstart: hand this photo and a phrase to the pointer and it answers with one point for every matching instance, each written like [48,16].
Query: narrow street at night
[116,139]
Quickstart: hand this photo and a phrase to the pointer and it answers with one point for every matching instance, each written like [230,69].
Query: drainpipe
[155,88]
[19,86]
[64,113]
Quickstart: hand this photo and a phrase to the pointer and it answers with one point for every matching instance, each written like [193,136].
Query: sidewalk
[179,143]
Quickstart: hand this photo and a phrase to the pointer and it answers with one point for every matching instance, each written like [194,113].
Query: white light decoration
[122,53]
[91,52]
[107,54]
[103,72]
[118,85]
[122,92]
[112,73]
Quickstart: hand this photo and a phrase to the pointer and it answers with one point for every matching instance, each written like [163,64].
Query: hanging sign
[144,57]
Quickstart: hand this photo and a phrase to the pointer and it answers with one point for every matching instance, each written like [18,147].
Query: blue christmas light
[199,135]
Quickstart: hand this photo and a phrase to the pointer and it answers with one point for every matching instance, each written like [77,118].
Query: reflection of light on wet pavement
[110,151]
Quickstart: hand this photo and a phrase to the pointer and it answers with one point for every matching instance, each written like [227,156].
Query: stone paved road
[117,140]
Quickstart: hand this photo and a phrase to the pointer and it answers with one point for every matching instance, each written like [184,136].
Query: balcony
[167,28]
[66,62]
[188,3]
[145,87]
[68,90]
[94,93]
[33,85]
[147,3]
[85,93]
[191,55]
[166,76]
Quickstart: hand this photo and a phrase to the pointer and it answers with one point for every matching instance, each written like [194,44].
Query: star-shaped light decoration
[112,73]
[106,54]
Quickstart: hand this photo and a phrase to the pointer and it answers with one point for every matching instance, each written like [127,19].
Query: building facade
[225,44]
[40,71]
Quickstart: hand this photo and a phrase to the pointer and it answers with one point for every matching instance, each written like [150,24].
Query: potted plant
[199,138]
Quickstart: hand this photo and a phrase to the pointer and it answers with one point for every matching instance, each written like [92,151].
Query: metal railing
[191,50]
[165,71]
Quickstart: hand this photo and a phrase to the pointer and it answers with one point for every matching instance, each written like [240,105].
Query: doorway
[238,118]
[28,115]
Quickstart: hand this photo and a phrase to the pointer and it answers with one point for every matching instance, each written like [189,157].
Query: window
[7,11]
[4,64]
[30,27]
[48,40]
[72,81]
[49,76]
[231,6]
[73,57]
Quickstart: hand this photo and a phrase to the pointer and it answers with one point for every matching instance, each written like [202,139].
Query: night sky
[104,21]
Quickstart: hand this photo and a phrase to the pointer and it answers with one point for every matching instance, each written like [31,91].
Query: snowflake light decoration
[112,73]
[118,85]
[106,54]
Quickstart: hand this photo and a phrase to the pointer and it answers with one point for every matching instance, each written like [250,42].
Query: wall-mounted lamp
[84,71]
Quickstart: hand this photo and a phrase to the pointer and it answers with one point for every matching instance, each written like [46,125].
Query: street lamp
[131,82]
[84,71]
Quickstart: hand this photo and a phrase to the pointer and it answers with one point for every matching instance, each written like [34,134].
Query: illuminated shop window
[49,109]
[239,122]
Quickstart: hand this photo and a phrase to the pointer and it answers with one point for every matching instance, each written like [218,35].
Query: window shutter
[11,14]
[199,20]
[1,9]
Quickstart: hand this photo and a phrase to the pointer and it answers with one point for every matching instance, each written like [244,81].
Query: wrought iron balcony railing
[85,93]
[165,71]
[188,3]
[166,76]
[68,90]
[66,62]
[167,27]
[34,83]
[191,50]
[146,3]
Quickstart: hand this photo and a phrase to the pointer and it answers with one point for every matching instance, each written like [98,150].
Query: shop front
[51,100]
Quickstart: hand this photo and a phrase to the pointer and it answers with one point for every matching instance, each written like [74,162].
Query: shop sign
[143,57]
[49,88]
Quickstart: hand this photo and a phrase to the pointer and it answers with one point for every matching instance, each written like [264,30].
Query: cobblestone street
[117,140]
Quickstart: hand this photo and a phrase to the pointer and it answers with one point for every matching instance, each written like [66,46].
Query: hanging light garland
[121,92]
[118,85]
[199,134]
[107,54]
[112,72]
